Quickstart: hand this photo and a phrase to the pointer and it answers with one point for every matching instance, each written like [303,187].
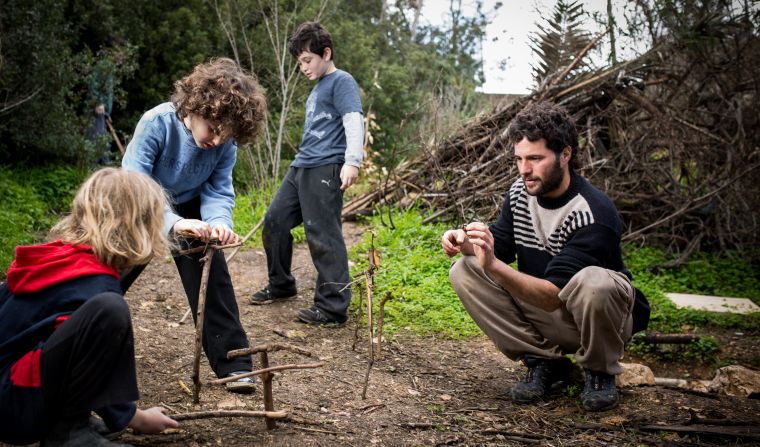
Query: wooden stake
[373,261]
[261,372]
[199,323]
[115,137]
[266,379]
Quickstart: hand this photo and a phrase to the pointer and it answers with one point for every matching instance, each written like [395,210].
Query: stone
[713,303]
[635,374]
[736,380]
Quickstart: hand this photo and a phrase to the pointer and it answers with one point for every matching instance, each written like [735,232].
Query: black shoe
[316,317]
[265,296]
[600,393]
[243,385]
[542,373]
[76,434]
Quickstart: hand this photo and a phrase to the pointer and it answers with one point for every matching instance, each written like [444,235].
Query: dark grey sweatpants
[311,196]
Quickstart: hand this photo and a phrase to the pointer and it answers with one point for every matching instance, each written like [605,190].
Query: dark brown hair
[225,95]
[311,37]
[548,121]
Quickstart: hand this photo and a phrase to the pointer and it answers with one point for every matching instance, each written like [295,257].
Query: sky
[507,56]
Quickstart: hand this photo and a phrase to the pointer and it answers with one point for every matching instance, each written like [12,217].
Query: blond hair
[225,95]
[120,215]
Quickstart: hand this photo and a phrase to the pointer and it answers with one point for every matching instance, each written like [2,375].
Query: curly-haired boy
[189,146]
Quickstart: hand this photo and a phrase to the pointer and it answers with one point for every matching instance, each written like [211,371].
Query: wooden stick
[203,248]
[245,238]
[199,324]
[268,347]
[259,372]
[669,338]
[115,137]
[266,379]
[229,413]
[380,318]
[370,285]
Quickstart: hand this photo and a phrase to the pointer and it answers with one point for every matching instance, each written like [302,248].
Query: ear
[567,152]
[327,54]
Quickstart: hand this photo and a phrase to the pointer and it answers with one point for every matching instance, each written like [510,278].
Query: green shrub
[34,199]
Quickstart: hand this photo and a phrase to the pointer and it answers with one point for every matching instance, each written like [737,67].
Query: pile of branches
[673,137]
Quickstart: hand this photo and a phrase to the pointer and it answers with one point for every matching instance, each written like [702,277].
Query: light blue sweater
[163,148]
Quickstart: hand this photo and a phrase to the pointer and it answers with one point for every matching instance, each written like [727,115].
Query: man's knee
[595,286]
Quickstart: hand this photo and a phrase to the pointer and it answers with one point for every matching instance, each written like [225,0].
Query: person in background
[189,146]
[66,342]
[311,193]
[571,292]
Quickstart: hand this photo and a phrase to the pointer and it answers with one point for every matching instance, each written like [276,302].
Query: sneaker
[265,296]
[316,317]
[542,373]
[76,434]
[243,385]
[600,393]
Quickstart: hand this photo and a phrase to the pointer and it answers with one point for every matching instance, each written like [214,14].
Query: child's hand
[150,421]
[348,175]
[198,228]
[225,235]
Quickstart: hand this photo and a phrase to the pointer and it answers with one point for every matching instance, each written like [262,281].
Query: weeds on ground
[415,269]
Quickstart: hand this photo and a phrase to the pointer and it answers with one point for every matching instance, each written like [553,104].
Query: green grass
[33,200]
[250,208]
[414,268]
[704,274]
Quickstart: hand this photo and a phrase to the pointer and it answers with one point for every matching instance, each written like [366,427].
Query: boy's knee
[111,310]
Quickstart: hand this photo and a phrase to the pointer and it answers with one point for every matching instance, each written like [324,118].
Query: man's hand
[225,235]
[452,242]
[479,235]
[348,175]
[151,421]
[198,228]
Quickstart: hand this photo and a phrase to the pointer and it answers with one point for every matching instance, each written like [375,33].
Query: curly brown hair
[225,95]
[548,121]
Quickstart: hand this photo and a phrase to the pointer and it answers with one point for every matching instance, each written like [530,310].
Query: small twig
[380,318]
[203,248]
[370,286]
[229,413]
[268,347]
[259,372]
[245,238]
[315,430]
[184,387]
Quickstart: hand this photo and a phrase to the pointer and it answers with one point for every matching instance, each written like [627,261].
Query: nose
[217,140]
[524,168]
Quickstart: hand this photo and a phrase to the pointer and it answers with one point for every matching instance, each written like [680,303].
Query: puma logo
[327,182]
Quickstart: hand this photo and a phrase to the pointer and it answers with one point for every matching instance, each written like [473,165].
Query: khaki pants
[593,322]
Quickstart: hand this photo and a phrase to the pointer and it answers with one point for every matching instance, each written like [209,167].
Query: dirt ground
[424,391]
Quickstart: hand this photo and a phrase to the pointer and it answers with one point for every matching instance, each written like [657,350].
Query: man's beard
[552,181]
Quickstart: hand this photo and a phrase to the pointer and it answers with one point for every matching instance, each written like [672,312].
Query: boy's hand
[225,235]
[348,175]
[151,421]
[198,228]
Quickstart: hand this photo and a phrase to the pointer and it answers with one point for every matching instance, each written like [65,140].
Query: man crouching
[571,292]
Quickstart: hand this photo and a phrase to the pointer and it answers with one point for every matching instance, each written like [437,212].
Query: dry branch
[227,414]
